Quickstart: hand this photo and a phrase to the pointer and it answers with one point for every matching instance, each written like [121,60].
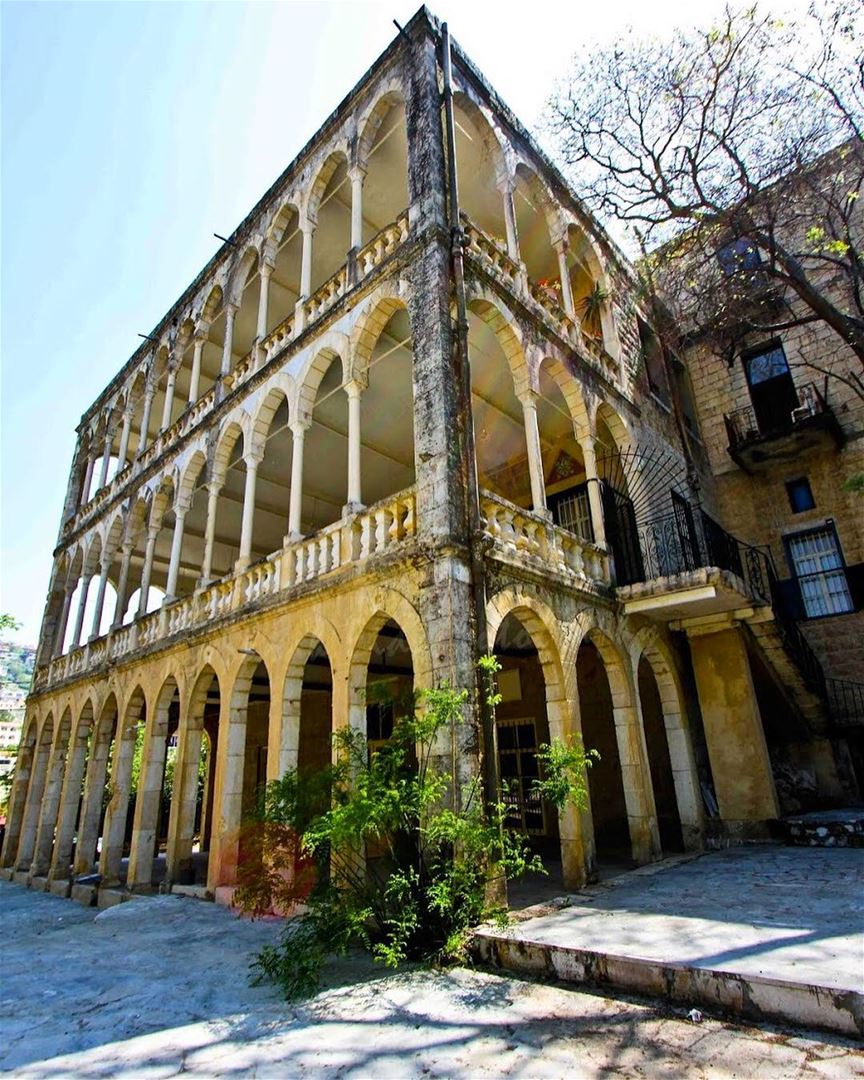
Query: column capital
[254,457]
[201,333]
[357,171]
[505,183]
[528,396]
[300,424]
[230,308]
[182,506]
[214,486]
[267,264]
[308,222]
[355,387]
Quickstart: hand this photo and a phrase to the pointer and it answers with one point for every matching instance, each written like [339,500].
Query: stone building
[392,425]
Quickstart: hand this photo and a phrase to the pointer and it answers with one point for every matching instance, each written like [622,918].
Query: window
[572,511]
[800,495]
[652,354]
[517,759]
[740,254]
[772,390]
[817,563]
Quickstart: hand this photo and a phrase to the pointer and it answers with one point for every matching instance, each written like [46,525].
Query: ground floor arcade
[145,773]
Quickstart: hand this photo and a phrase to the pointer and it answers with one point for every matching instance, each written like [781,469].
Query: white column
[307,226]
[100,596]
[180,512]
[169,399]
[263,299]
[64,621]
[124,439]
[586,445]
[298,431]
[356,175]
[213,490]
[564,274]
[79,619]
[355,501]
[535,456]
[230,312]
[88,478]
[122,586]
[252,461]
[106,459]
[506,190]
[145,419]
[147,571]
[196,368]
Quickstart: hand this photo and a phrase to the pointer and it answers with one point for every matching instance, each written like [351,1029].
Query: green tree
[429,881]
[743,138]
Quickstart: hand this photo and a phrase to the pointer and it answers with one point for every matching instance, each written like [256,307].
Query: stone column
[355,501]
[356,175]
[44,846]
[149,390]
[506,189]
[298,432]
[564,274]
[147,570]
[589,457]
[169,399]
[213,489]
[124,440]
[82,603]
[535,456]
[106,459]
[33,807]
[105,566]
[265,273]
[307,227]
[252,462]
[122,586]
[195,380]
[147,801]
[737,749]
[67,816]
[88,479]
[181,821]
[64,620]
[180,512]
[17,803]
[114,829]
[91,802]
[230,312]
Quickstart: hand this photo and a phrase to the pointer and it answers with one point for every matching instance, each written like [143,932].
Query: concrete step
[825,828]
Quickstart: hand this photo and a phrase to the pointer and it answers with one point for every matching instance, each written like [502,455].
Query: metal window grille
[574,514]
[821,575]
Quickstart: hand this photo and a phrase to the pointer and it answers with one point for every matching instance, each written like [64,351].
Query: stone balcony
[349,276]
[491,258]
[528,540]
[355,541]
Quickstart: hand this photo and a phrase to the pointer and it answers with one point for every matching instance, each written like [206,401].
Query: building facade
[400,419]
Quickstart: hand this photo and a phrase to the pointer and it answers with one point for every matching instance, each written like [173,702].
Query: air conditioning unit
[801,413]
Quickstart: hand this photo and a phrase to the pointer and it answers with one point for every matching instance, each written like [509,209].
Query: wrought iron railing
[845,701]
[743,427]
[690,539]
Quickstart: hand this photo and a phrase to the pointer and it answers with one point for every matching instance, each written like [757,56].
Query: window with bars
[817,563]
[572,511]
[517,759]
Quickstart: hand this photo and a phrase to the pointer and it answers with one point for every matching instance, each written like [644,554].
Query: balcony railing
[498,264]
[527,537]
[262,352]
[374,532]
[743,428]
[845,701]
[690,539]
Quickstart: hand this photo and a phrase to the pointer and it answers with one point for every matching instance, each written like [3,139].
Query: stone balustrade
[369,256]
[381,245]
[524,536]
[371,532]
[490,254]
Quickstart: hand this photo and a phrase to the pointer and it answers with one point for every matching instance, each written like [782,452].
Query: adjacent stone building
[392,425]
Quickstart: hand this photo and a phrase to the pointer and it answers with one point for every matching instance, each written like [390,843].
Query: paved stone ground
[157,987]
[785,913]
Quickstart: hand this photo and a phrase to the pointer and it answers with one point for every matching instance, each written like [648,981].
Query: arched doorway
[659,760]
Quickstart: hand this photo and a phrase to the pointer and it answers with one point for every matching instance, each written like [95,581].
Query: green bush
[436,862]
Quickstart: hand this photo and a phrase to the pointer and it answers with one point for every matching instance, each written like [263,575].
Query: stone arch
[571,389]
[212,305]
[619,428]
[50,802]
[334,346]
[114,830]
[483,124]
[70,799]
[90,820]
[316,191]
[286,745]
[148,800]
[288,209]
[373,118]
[543,196]
[280,389]
[239,274]
[24,767]
[235,428]
[191,474]
[508,333]
[648,645]
[384,302]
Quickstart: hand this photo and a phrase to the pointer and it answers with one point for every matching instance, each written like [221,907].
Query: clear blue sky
[130,133]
